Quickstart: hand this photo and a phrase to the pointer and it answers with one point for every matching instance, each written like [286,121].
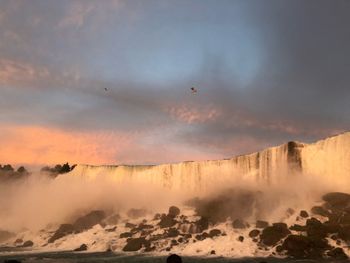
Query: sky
[108,82]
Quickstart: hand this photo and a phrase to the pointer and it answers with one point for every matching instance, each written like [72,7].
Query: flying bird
[106,89]
[194,90]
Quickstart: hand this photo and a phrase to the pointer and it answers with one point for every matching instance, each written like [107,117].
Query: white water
[328,159]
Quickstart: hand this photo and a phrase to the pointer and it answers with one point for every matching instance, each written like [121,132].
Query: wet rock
[279,249]
[174,242]
[167,221]
[202,224]
[239,224]
[63,230]
[261,224]
[304,214]
[202,236]
[88,221]
[173,211]
[150,249]
[136,213]
[304,247]
[241,238]
[214,233]
[315,229]
[172,232]
[254,233]
[83,247]
[298,228]
[125,235]
[28,243]
[212,252]
[337,253]
[180,239]
[135,244]
[271,235]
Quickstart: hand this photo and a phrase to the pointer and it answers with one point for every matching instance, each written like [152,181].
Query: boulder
[173,211]
[125,235]
[83,247]
[135,244]
[28,243]
[88,221]
[305,247]
[130,225]
[172,232]
[241,238]
[337,200]
[202,224]
[298,228]
[254,233]
[167,221]
[315,229]
[271,235]
[319,210]
[214,233]
[304,214]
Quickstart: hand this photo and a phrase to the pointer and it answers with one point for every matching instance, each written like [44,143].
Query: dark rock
[241,238]
[279,249]
[212,252]
[315,229]
[157,216]
[125,235]
[135,244]
[83,247]
[272,234]
[202,224]
[172,232]
[173,211]
[167,221]
[261,224]
[304,214]
[214,233]
[202,236]
[297,227]
[28,243]
[150,248]
[319,210]
[12,261]
[239,224]
[136,213]
[254,233]
[180,239]
[337,253]
[174,242]
[63,230]
[304,247]
[88,221]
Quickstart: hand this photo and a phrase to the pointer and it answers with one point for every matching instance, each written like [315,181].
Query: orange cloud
[194,115]
[38,145]
[12,72]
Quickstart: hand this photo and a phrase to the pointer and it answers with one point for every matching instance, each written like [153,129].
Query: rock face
[83,247]
[135,244]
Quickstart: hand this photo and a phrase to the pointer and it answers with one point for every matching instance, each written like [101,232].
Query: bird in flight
[106,89]
[194,90]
